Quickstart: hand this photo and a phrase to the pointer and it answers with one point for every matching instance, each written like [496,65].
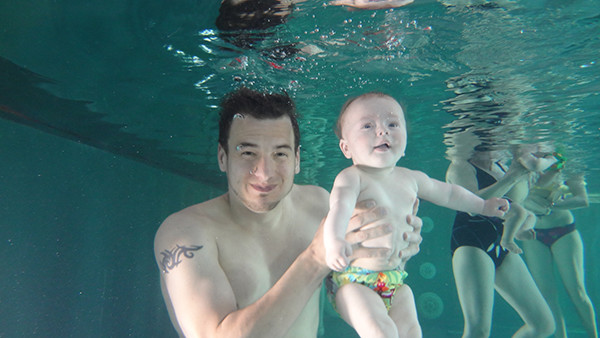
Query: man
[250,263]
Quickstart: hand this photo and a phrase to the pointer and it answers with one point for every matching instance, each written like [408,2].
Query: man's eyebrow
[246,145]
[284,146]
[253,145]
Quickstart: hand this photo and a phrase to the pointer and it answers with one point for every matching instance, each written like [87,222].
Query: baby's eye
[394,125]
[366,126]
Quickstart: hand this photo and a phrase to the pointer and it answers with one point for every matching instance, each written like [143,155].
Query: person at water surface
[250,262]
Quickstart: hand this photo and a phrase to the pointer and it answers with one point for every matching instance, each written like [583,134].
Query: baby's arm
[342,200]
[463,174]
[456,197]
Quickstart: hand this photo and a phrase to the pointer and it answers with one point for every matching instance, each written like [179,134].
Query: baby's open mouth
[383,146]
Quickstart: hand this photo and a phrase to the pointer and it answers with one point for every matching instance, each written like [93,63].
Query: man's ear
[297,168]
[222,158]
[345,149]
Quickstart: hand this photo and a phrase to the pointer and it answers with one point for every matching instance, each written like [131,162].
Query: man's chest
[254,262]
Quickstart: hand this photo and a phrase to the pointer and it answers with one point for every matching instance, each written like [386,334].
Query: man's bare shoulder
[311,197]
[310,192]
[191,222]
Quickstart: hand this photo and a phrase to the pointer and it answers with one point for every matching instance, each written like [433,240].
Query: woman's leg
[474,276]
[364,310]
[540,262]
[516,286]
[568,255]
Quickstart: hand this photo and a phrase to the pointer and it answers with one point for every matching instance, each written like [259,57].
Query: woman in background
[480,264]
[558,244]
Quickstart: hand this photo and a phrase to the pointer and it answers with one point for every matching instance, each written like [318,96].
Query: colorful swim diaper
[384,283]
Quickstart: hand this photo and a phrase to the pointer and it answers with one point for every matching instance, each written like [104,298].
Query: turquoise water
[108,125]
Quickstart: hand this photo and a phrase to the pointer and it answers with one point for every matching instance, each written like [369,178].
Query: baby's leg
[404,313]
[526,231]
[364,310]
[514,219]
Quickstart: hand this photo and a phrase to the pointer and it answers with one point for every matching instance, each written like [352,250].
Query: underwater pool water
[109,110]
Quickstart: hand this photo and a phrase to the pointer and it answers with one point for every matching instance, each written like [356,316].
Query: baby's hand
[336,255]
[495,207]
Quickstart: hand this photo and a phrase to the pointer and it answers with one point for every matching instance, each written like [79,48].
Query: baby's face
[374,132]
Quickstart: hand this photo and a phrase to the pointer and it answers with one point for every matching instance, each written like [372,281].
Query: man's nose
[264,167]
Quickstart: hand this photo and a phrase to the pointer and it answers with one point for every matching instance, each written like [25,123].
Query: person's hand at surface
[495,207]
[371,4]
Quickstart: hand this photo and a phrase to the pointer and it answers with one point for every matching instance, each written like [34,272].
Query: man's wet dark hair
[259,105]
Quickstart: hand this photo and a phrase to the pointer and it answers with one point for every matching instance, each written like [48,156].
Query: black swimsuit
[479,231]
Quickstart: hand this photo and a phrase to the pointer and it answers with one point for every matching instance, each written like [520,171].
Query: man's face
[261,161]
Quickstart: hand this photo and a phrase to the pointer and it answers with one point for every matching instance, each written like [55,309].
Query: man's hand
[368,215]
[413,238]
[373,215]
[374,219]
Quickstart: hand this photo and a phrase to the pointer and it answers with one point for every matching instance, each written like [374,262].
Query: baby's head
[372,130]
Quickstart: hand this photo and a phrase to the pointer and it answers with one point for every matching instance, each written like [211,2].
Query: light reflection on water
[536,67]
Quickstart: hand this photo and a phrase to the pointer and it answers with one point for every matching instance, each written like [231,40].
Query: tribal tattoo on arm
[172,258]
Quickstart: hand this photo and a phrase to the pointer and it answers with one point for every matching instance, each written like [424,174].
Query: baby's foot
[525,235]
[511,246]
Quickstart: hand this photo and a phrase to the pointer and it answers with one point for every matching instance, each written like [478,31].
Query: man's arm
[203,300]
[195,287]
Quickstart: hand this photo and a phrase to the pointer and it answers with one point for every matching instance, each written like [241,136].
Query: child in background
[519,222]
[372,132]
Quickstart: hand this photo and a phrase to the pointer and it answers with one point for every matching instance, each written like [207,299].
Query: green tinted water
[109,115]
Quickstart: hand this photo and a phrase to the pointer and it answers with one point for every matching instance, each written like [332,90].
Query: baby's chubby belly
[397,196]
[394,242]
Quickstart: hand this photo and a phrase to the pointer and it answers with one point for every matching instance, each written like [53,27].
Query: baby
[519,222]
[372,133]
